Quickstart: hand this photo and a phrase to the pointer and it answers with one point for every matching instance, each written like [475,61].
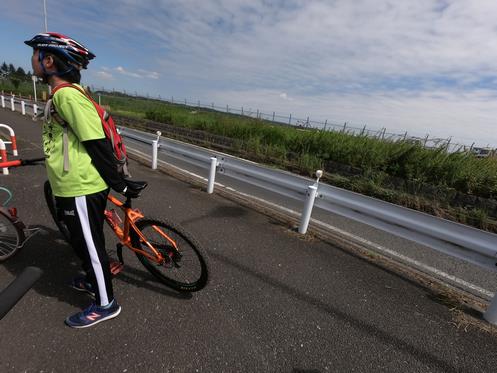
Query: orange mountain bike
[165,249]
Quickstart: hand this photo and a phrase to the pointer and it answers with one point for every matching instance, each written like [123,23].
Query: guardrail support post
[23,108]
[155,146]
[306,213]
[12,104]
[491,314]
[3,101]
[309,203]
[212,175]
[35,109]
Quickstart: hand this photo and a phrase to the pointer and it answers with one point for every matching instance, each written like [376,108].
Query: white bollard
[212,176]
[491,314]
[309,203]
[155,145]
[306,213]
[23,108]
[3,101]
[12,104]
[35,109]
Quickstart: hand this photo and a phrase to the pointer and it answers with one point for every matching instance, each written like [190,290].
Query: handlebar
[22,162]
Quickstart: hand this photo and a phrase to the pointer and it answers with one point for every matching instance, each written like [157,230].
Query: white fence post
[3,155]
[155,145]
[35,109]
[155,148]
[306,213]
[23,108]
[3,101]
[309,204]
[212,175]
[12,103]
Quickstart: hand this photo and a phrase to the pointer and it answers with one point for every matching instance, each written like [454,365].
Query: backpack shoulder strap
[52,111]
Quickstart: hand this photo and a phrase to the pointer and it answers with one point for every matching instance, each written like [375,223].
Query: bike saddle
[136,185]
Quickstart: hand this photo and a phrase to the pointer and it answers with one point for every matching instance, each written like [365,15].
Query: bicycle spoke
[184,267]
[9,238]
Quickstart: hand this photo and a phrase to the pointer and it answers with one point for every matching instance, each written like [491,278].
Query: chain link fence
[426,141]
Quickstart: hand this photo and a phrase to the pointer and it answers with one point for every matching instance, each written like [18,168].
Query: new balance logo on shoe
[93,316]
[69,213]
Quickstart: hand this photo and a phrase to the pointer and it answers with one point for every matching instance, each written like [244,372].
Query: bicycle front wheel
[185,267]
[11,237]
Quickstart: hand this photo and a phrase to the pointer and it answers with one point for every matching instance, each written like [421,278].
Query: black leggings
[84,217]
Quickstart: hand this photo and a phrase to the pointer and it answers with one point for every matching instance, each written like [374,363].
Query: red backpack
[108,126]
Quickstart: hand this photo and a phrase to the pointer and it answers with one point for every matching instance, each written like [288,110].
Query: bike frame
[122,231]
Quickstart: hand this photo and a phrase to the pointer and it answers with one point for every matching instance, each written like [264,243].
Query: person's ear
[48,62]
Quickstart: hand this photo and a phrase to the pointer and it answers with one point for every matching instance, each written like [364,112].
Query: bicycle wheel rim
[10,238]
[185,272]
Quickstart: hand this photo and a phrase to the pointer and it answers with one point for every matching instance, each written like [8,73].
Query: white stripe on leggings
[95,261]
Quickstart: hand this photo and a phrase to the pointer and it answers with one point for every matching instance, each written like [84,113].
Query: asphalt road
[276,302]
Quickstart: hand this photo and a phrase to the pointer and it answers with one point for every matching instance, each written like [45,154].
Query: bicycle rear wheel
[11,237]
[185,268]
[56,216]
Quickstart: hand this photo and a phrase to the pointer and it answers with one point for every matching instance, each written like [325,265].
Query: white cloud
[105,75]
[141,74]
[284,96]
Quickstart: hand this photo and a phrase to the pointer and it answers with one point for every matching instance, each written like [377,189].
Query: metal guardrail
[454,239]
[462,241]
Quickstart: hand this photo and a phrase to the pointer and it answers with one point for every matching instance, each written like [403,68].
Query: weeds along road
[276,302]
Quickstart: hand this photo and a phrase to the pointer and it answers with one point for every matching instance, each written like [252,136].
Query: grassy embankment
[456,186]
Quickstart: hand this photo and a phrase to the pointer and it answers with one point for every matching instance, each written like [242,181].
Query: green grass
[311,149]
[25,88]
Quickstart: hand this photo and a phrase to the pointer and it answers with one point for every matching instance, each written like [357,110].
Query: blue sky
[425,66]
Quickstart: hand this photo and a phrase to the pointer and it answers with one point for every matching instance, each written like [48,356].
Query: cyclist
[80,177]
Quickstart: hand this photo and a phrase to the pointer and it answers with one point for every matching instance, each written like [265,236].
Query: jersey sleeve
[80,113]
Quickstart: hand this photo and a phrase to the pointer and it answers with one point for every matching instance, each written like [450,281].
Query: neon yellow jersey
[82,178]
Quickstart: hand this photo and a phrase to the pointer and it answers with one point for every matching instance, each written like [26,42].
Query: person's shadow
[48,251]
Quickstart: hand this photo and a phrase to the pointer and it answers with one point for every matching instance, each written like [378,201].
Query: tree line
[15,75]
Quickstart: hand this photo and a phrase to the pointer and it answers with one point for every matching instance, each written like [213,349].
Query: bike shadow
[48,251]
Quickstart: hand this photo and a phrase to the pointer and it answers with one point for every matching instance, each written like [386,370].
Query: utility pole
[45,12]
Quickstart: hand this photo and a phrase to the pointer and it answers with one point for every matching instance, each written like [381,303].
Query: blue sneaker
[80,284]
[93,315]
